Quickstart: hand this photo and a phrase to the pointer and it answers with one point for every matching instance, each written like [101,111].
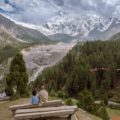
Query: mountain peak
[82,26]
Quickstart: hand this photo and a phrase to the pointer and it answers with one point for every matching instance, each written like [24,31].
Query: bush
[61,94]
[52,93]
[105,98]
[103,113]
[9,91]
[69,102]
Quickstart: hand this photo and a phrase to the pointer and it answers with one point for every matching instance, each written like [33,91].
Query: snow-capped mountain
[66,27]
[82,27]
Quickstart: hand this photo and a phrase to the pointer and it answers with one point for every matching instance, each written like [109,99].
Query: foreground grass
[83,115]
[113,112]
[6,114]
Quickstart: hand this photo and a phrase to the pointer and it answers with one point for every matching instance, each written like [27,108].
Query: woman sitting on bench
[34,98]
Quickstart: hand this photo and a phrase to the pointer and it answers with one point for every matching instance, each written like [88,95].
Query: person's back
[43,95]
[34,98]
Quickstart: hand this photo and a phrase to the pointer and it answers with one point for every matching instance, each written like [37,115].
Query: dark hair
[34,91]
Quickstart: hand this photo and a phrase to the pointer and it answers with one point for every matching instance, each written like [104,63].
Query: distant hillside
[9,45]
[17,37]
[8,39]
[116,36]
[93,66]
[21,32]
[61,37]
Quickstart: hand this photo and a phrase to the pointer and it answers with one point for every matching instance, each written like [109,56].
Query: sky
[38,11]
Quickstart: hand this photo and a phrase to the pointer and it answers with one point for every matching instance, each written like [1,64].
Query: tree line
[93,67]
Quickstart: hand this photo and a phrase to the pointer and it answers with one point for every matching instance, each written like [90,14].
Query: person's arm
[31,100]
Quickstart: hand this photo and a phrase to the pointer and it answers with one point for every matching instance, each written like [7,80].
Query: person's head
[42,87]
[34,92]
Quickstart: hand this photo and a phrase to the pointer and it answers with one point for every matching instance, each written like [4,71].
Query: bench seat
[58,112]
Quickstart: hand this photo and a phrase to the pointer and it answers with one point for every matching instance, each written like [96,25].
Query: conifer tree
[17,79]
[86,101]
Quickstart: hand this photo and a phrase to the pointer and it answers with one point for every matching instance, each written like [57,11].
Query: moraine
[39,57]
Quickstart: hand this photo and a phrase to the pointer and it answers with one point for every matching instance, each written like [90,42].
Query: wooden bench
[46,113]
[53,103]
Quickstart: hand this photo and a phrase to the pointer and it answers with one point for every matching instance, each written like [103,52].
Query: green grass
[113,112]
[5,113]
[83,115]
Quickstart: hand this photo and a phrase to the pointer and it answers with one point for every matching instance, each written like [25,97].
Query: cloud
[38,11]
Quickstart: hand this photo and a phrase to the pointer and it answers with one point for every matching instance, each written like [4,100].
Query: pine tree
[86,101]
[17,79]
[93,86]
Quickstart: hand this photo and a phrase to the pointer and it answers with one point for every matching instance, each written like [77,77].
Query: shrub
[103,113]
[61,94]
[9,91]
[52,93]
[69,102]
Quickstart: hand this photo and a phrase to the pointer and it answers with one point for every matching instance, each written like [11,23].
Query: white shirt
[43,95]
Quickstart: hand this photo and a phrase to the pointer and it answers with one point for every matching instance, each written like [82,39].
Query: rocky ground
[39,57]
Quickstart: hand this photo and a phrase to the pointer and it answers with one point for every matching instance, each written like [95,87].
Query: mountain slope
[108,33]
[8,39]
[61,37]
[116,36]
[95,63]
[21,32]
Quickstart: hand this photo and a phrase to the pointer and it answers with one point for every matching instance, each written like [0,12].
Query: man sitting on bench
[43,95]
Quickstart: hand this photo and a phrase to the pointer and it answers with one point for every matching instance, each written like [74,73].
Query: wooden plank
[45,109]
[44,114]
[53,103]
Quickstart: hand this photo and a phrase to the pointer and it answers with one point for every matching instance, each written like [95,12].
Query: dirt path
[115,118]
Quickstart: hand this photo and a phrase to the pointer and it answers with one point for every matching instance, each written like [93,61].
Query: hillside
[39,57]
[15,37]
[94,62]
[21,32]
[116,36]
[89,70]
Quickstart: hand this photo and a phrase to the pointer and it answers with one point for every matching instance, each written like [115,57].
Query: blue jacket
[34,100]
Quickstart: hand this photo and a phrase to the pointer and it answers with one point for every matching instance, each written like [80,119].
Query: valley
[69,49]
[39,57]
